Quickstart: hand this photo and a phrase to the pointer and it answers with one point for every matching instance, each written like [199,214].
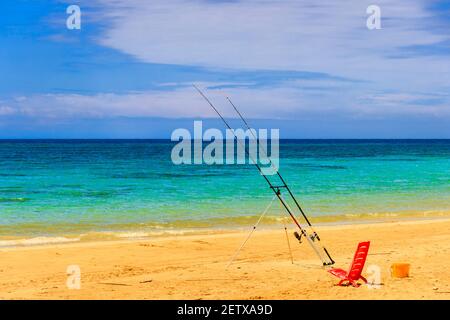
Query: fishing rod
[271,163]
[315,234]
[326,260]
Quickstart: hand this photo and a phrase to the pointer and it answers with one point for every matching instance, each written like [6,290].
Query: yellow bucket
[400,270]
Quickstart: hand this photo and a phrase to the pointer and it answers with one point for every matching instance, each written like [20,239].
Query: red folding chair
[354,274]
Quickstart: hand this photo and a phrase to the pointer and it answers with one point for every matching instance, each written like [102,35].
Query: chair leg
[341,282]
[363,279]
[354,283]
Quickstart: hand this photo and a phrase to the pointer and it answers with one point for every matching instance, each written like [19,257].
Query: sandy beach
[193,266]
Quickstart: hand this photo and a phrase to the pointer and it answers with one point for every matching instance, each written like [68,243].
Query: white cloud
[287,100]
[322,36]
[319,36]
[6,111]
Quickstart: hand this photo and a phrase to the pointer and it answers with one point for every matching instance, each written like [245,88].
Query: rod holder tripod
[312,237]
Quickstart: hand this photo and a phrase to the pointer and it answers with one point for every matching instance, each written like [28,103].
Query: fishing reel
[313,237]
[298,236]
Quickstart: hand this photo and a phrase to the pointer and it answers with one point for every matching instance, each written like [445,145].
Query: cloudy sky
[310,68]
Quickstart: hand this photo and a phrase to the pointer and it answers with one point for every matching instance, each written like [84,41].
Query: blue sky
[313,70]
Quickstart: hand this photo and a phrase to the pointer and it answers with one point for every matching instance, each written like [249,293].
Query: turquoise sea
[56,188]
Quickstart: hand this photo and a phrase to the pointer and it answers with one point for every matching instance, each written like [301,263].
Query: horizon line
[168,139]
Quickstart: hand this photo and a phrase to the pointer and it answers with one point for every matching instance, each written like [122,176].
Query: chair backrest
[359,260]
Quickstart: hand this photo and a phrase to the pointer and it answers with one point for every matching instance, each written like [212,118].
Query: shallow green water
[69,186]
